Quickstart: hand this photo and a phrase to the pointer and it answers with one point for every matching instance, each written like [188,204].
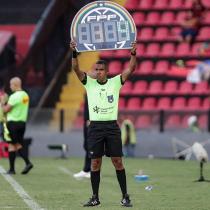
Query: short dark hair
[103,62]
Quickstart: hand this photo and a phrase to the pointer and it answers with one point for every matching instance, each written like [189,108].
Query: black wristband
[133,53]
[74,54]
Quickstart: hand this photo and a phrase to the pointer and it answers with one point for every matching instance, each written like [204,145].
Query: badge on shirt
[110,98]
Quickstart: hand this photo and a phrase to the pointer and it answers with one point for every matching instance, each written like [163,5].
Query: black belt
[104,122]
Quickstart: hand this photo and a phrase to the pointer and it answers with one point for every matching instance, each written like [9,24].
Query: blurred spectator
[3,100]
[85,173]
[128,138]
[198,9]
[190,28]
[200,72]
[193,123]
[204,50]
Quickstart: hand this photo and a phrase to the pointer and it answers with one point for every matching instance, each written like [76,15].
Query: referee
[104,136]
[16,111]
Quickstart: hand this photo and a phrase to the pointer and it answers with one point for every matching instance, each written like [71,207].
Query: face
[12,86]
[101,72]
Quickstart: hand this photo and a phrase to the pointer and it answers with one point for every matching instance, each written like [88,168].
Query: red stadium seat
[206,3]
[180,17]
[174,33]
[122,103]
[185,88]
[146,67]
[203,121]
[192,63]
[115,67]
[171,87]
[143,121]
[164,103]
[204,33]
[153,49]
[121,53]
[160,4]
[134,104]
[145,34]
[195,49]
[140,87]
[176,4]
[167,17]
[201,88]
[23,34]
[145,4]
[206,103]
[183,49]
[187,4]
[194,103]
[168,49]
[125,65]
[161,67]
[161,33]
[131,4]
[138,18]
[149,103]
[173,121]
[155,87]
[126,88]
[140,50]
[153,18]
[179,103]
[207,18]
[106,54]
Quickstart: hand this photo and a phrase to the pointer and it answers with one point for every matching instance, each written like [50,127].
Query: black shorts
[16,131]
[104,138]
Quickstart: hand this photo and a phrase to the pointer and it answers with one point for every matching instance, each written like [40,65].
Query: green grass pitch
[53,189]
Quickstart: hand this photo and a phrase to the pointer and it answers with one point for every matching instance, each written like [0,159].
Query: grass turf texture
[172,180]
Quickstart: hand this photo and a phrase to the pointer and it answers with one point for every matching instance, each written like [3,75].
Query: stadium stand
[158,78]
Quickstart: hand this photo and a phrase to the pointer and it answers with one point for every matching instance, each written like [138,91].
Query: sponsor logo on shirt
[96,109]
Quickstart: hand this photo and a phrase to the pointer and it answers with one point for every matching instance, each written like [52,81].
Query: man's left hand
[134,47]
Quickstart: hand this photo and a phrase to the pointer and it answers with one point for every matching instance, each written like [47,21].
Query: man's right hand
[73,45]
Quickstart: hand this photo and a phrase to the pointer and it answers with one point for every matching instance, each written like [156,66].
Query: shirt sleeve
[12,100]
[117,81]
[89,81]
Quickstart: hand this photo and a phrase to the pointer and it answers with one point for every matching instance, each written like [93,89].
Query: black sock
[87,163]
[95,180]
[12,156]
[122,181]
[23,155]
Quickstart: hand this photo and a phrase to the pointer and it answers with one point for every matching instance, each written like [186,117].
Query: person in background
[192,122]
[204,49]
[190,28]
[16,110]
[85,173]
[128,134]
[198,9]
[3,100]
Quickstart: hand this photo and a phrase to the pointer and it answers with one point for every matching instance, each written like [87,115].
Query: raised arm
[75,65]
[132,65]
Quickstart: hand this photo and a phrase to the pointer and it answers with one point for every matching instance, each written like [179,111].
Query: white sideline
[20,191]
[66,171]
